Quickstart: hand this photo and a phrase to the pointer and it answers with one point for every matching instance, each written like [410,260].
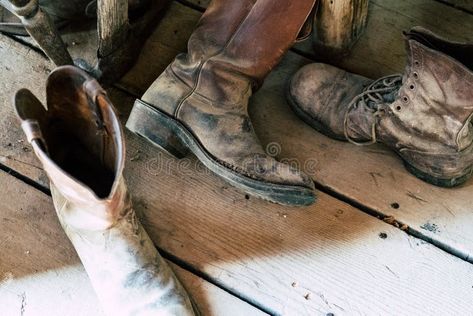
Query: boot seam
[237,32]
[202,62]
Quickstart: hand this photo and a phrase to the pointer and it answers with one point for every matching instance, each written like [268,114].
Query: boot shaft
[434,106]
[79,142]
[235,45]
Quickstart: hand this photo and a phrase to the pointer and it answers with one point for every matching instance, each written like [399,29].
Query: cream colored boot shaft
[79,142]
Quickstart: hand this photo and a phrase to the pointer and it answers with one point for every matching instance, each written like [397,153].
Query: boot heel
[156,127]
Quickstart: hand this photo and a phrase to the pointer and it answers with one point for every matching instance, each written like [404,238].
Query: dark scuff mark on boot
[141,278]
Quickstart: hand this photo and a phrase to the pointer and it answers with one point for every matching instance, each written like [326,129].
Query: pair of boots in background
[199,104]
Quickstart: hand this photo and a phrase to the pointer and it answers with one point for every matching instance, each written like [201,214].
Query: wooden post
[112,25]
[42,29]
[338,25]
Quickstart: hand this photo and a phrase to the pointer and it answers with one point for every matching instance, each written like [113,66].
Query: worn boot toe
[320,93]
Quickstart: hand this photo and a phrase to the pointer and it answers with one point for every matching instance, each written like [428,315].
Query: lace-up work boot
[200,101]
[80,144]
[423,115]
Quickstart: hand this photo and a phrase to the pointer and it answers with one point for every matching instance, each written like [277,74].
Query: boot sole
[440,182]
[173,137]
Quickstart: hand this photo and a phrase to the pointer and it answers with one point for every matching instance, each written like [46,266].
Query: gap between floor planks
[372,177]
[40,273]
[170,38]
[320,259]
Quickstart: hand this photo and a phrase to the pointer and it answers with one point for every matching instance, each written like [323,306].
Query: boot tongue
[442,102]
[362,115]
[388,96]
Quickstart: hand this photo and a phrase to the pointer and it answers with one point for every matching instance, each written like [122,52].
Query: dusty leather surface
[428,122]
[81,135]
[229,54]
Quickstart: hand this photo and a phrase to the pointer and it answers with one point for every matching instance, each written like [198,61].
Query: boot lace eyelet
[416,75]
[412,87]
[405,99]
[398,108]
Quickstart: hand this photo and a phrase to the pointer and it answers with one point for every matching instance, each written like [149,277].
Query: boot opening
[79,159]
[82,133]
[459,51]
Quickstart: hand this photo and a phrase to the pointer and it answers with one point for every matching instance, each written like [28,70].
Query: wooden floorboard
[371,176]
[380,51]
[40,273]
[466,5]
[326,258]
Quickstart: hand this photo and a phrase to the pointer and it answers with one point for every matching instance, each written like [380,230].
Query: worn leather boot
[80,144]
[200,101]
[423,115]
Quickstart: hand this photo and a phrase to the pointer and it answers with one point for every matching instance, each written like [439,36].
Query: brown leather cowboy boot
[200,101]
[423,115]
[80,144]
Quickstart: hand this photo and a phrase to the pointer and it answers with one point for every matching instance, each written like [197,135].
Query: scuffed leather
[323,92]
[429,122]
[96,212]
[229,54]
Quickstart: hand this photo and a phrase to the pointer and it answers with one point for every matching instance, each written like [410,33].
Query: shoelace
[371,98]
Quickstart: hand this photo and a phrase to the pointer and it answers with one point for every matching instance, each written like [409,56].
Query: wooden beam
[41,28]
[112,25]
[338,25]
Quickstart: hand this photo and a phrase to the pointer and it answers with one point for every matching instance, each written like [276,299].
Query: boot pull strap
[308,26]
[33,133]
[93,89]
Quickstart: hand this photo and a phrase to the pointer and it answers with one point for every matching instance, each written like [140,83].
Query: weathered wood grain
[112,25]
[40,273]
[327,258]
[466,5]
[380,50]
[338,25]
[360,174]
[371,176]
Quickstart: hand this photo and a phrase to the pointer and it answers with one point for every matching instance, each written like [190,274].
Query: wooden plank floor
[40,273]
[327,258]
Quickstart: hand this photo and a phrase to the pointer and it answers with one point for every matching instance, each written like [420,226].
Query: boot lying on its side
[80,144]
[423,115]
